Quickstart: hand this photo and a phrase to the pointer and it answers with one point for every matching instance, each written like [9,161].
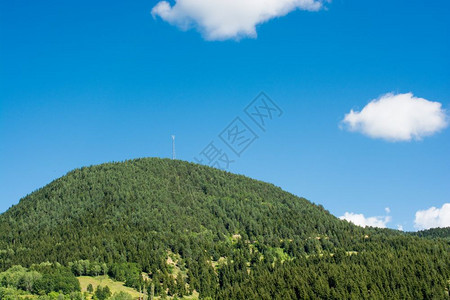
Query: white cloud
[361,220]
[228,19]
[387,210]
[433,217]
[400,117]
[400,227]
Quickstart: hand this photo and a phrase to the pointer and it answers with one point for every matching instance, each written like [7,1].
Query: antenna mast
[173,147]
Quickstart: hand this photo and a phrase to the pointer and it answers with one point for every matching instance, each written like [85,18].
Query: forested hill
[434,233]
[228,236]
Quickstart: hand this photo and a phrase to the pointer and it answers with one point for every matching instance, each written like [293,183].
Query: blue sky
[83,83]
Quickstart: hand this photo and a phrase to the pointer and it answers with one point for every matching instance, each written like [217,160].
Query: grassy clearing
[176,265]
[193,296]
[114,286]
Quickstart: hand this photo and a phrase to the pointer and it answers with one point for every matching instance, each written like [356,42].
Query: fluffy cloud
[360,220]
[400,117]
[228,19]
[433,217]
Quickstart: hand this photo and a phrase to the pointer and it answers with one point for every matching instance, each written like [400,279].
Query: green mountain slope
[232,237]
[434,233]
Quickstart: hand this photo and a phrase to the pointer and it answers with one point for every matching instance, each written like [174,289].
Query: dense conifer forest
[176,229]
